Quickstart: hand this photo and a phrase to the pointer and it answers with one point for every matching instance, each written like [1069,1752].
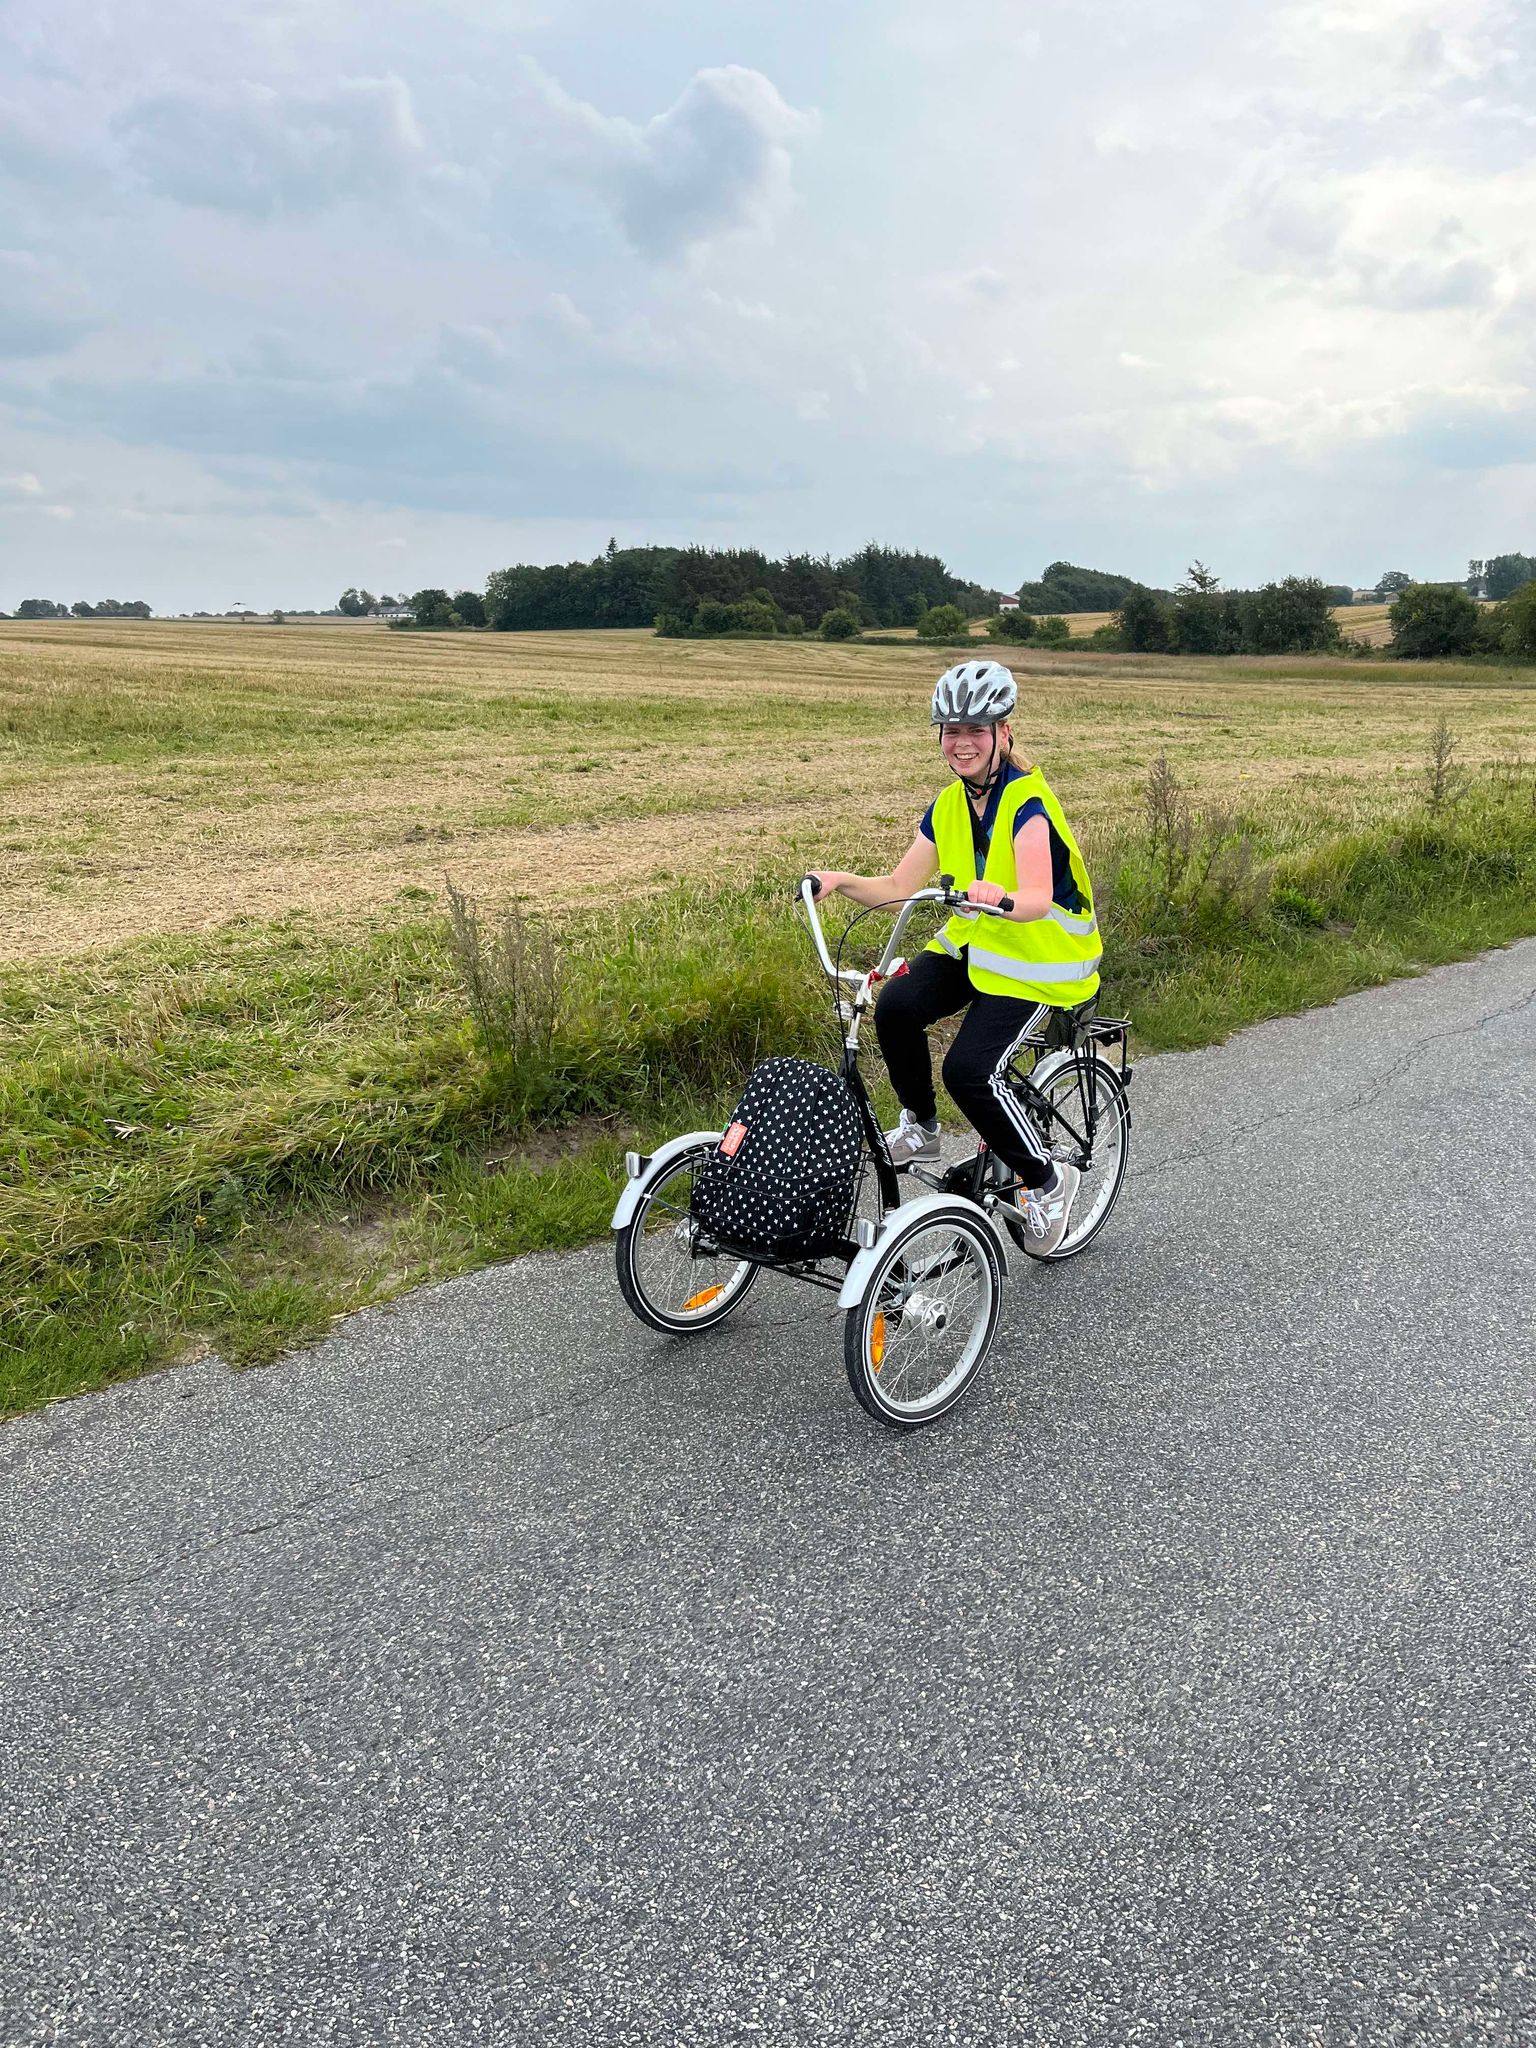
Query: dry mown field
[162,777]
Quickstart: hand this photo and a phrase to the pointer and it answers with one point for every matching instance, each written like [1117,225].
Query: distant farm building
[1007,604]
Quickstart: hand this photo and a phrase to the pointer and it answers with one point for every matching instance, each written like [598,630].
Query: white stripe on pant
[1009,1103]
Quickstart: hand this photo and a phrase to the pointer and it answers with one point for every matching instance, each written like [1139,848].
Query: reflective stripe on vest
[1033,970]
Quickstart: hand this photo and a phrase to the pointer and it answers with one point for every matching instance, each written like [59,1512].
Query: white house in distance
[1007,604]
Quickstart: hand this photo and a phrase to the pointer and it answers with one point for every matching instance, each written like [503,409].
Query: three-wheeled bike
[919,1279]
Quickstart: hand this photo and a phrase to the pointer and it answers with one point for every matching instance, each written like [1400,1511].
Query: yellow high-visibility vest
[1050,959]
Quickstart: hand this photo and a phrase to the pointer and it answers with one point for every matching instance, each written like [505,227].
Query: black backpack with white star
[782,1181]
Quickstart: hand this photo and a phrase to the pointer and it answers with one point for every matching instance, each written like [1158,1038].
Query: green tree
[1198,619]
[351,604]
[1065,587]
[1052,631]
[41,608]
[1503,575]
[1431,621]
[1390,584]
[1142,622]
[1516,619]
[943,622]
[840,624]
[1292,616]
[431,607]
[470,606]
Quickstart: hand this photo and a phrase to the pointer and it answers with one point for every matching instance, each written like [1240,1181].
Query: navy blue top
[1063,888]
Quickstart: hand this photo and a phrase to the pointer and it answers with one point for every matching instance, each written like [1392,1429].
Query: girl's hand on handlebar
[828,880]
[989,895]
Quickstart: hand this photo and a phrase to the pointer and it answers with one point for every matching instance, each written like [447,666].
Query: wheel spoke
[927,1329]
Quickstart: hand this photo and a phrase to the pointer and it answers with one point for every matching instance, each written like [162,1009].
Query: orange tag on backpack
[730,1144]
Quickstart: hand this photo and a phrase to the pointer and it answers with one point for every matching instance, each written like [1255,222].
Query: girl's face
[968,748]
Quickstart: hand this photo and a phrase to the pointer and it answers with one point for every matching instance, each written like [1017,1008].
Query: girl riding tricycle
[804,1182]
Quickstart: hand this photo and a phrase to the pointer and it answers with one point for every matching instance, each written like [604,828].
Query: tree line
[698,591]
[105,608]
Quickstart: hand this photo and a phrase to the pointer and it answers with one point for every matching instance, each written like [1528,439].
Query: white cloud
[717,162]
[25,485]
[252,149]
[1408,236]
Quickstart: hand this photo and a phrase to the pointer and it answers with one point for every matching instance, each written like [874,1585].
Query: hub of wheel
[926,1312]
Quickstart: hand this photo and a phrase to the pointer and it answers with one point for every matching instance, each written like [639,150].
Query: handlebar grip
[815,884]
[1005,903]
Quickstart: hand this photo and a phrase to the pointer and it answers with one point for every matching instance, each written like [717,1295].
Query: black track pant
[936,986]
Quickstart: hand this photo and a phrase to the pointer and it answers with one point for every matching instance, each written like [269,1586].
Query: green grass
[229,1140]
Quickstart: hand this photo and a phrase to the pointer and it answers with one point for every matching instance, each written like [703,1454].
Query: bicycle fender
[859,1274]
[658,1163]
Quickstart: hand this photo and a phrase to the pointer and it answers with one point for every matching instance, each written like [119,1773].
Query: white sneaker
[913,1143]
[1047,1212]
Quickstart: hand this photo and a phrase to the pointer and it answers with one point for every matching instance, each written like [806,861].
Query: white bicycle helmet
[974,693]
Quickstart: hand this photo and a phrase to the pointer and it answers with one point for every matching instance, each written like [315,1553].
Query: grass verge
[228,1142]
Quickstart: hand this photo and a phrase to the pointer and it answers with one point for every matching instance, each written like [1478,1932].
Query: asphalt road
[501,1672]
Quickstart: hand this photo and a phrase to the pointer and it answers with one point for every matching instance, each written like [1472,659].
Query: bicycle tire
[1057,1077]
[909,1275]
[681,1279]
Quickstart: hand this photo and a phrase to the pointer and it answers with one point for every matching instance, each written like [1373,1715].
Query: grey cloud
[1471,437]
[717,161]
[257,151]
[456,435]
[41,312]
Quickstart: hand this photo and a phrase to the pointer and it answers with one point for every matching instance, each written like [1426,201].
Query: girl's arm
[1032,859]
[915,870]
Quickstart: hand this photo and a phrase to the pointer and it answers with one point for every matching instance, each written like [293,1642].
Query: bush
[1141,624]
[1515,622]
[1052,631]
[750,615]
[941,622]
[1432,620]
[1107,635]
[840,624]
[1012,628]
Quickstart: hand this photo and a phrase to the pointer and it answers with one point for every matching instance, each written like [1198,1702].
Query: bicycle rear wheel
[662,1275]
[1075,1086]
[924,1325]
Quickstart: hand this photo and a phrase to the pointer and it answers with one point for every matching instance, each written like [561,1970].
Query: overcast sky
[304,293]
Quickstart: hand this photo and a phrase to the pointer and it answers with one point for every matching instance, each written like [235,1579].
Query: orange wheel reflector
[877,1340]
[702,1299]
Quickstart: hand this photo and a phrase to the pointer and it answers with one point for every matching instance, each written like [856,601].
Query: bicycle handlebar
[947,894]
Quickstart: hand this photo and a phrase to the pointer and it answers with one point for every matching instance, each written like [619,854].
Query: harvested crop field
[167,778]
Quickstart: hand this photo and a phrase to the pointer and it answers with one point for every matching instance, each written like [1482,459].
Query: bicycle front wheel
[662,1275]
[924,1325]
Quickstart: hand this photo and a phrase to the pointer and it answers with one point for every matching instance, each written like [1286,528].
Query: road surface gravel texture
[500,1671]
